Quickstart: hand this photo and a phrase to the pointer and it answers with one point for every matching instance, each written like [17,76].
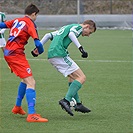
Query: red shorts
[19,65]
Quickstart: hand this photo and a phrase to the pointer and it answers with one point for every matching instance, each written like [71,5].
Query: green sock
[73,89]
[76,96]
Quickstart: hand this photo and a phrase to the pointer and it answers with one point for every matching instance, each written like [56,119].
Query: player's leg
[21,68]
[68,67]
[31,101]
[21,92]
[17,109]
[73,89]
[65,104]
[78,79]
[30,94]
[79,76]
[76,96]
[73,72]
[26,86]
[61,66]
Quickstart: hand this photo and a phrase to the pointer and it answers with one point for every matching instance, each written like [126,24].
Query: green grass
[107,90]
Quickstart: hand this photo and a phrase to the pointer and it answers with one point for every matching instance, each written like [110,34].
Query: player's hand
[84,54]
[35,52]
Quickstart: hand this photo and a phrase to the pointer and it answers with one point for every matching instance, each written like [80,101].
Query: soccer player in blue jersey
[21,29]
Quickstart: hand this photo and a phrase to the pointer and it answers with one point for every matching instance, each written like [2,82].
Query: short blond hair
[91,23]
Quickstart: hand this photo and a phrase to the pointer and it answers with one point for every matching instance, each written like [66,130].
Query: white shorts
[2,42]
[64,65]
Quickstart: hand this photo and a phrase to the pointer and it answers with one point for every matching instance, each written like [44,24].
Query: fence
[69,7]
[102,21]
[56,13]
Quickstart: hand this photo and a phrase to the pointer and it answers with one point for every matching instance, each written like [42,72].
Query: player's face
[87,31]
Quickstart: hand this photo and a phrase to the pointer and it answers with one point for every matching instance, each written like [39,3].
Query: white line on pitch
[125,61]
[102,61]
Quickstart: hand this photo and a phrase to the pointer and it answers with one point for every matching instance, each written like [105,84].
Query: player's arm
[39,46]
[3,25]
[76,42]
[46,37]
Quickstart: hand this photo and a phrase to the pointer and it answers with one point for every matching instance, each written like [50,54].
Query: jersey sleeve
[9,23]
[77,30]
[54,33]
[4,17]
[74,39]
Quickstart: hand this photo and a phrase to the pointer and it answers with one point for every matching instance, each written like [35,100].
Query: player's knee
[83,78]
[34,82]
[31,83]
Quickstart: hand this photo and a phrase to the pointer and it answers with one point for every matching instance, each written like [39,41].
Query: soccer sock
[21,93]
[69,83]
[73,89]
[31,99]
[76,96]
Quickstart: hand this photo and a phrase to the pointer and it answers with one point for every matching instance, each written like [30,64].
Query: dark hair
[91,23]
[31,9]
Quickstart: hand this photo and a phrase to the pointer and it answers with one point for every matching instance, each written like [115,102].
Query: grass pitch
[107,90]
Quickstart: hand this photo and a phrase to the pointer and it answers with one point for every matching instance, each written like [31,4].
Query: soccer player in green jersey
[2,39]
[59,57]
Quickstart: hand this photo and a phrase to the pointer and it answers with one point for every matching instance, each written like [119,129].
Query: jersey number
[61,30]
[15,30]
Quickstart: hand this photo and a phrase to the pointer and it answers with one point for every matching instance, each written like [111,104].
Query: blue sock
[31,99]
[21,93]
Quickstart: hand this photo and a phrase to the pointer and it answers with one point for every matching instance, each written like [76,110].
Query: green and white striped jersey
[2,17]
[61,41]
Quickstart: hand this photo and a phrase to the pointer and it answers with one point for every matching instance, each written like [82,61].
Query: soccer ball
[73,103]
